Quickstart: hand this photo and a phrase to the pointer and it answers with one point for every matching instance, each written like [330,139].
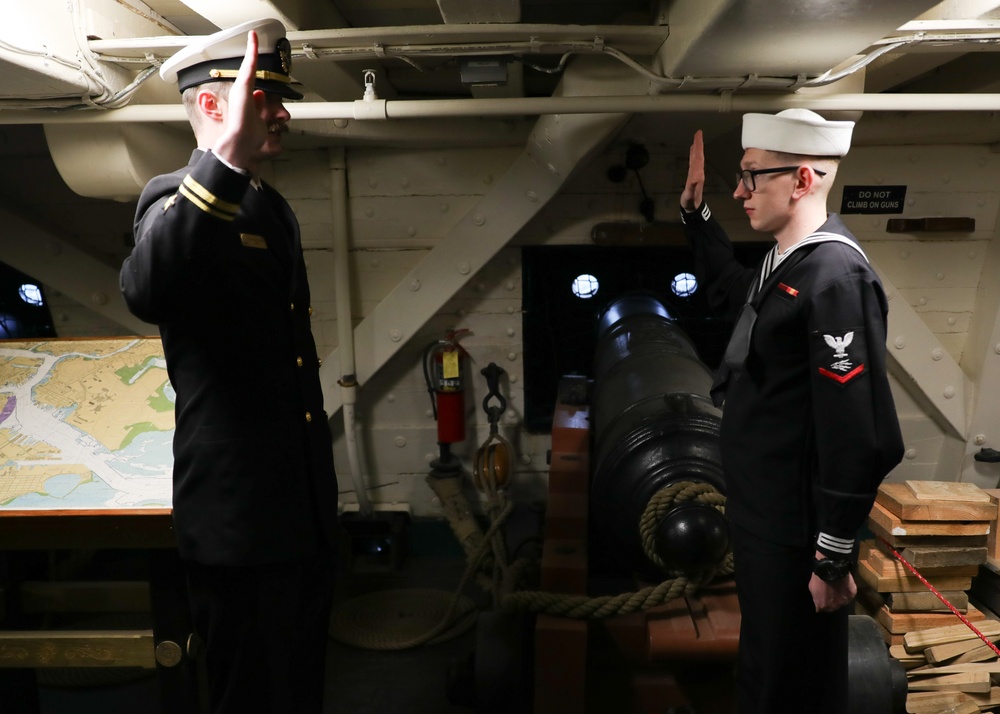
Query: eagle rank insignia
[841,367]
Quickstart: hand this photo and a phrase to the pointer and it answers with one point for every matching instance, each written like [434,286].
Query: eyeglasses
[749,178]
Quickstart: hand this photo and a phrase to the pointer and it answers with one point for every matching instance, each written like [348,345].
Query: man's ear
[209,105]
[805,179]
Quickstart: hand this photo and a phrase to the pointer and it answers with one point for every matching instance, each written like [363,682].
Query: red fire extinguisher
[444,374]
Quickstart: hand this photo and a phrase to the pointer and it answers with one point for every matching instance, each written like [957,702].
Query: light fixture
[585,286]
[684,285]
[31,294]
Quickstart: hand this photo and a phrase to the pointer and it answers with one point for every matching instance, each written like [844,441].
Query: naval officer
[218,266]
[809,429]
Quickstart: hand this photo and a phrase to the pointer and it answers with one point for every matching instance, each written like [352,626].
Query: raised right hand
[245,131]
[694,187]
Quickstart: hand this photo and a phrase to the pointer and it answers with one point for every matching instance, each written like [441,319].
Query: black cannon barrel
[654,426]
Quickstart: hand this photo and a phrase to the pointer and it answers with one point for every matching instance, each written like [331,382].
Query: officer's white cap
[797,131]
[218,56]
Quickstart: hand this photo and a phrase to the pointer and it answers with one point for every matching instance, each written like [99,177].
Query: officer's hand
[828,597]
[694,187]
[245,131]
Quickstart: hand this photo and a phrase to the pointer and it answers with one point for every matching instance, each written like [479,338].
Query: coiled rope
[381,633]
[667,498]
[584,607]
[485,552]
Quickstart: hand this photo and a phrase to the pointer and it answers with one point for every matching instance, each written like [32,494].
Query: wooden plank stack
[949,669]
[942,529]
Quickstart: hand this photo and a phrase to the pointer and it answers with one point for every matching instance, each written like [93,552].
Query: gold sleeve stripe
[209,197]
[184,191]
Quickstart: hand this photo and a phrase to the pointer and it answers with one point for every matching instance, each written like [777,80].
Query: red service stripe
[843,378]
[788,289]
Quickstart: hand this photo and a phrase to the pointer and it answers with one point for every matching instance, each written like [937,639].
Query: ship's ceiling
[64,62]
[55,53]
[83,111]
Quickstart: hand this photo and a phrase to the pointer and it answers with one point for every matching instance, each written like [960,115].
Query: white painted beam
[558,145]
[924,366]
[44,47]
[45,256]
[744,37]
[294,14]
[982,360]
[896,69]
[353,43]
[474,11]
[327,80]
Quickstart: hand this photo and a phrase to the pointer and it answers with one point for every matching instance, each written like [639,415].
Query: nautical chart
[85,424]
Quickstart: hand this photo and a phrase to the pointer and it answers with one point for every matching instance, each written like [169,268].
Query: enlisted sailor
[218,266]
[809,428]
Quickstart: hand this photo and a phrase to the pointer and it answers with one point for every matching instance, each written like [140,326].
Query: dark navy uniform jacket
[809,428]
[218,267]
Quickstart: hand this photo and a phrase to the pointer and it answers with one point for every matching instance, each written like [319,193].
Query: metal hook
[492,373]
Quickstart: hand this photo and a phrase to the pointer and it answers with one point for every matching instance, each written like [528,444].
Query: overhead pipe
[382,109]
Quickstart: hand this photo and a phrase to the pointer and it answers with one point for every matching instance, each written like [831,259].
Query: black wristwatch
[831,569]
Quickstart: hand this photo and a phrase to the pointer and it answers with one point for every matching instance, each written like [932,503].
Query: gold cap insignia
[284,51]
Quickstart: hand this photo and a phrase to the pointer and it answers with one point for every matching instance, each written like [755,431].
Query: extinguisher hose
[427,373]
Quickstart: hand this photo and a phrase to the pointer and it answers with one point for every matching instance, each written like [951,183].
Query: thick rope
[455,620]
[490,476]
[663,501]
[448,620]
[584,607]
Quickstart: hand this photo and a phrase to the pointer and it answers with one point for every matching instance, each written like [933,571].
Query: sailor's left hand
[831,596]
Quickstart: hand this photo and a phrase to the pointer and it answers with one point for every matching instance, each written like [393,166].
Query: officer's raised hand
[245,129]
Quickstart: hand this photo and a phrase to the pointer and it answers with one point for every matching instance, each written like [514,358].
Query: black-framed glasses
[749,178]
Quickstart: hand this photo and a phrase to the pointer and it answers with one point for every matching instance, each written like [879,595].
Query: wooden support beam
[896,584]
[920,641]
[927,601]
[966,682]
[561,643]
[898,527]
[936,702]
[898,499]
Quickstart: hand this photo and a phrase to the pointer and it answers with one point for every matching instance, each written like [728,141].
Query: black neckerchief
[739,342]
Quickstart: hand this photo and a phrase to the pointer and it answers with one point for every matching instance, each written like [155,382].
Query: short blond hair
[189,97]
[826,164]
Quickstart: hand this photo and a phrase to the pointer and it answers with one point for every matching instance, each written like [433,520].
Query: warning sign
[873,199]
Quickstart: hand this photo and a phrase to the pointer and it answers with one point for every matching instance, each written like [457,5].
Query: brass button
[293,306]
[310,309]
[298,361]
[309,417]
[319,361]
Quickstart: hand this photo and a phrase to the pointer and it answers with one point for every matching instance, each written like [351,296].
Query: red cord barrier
[940,597]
